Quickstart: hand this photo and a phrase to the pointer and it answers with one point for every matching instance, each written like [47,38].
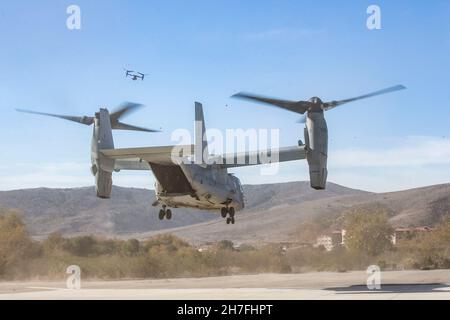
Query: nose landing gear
[230,212]
[165,213]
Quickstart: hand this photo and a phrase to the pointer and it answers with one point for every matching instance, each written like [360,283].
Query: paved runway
[417,285]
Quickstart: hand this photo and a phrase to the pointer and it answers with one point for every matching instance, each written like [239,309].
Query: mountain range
[273,212]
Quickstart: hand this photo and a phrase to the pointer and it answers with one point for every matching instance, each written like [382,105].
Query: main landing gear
[165,213]
[230,212]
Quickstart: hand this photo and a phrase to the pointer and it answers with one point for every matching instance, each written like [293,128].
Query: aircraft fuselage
[205,187]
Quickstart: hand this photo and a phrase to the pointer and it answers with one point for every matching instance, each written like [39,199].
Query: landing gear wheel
[232,220]
[224,212]
[162,214]
[169,214]
[231,211]
[228,220]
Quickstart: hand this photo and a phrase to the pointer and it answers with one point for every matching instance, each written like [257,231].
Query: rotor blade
[124,108]
[334,104]
[298,107]
[123,126]
[83,120]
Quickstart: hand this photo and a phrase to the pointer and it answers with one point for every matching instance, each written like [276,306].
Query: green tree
[368,232]
[432,249]
[81,246]
[15,243]
[54,242]
[131,247]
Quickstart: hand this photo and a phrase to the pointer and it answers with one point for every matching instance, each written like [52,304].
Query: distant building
[409,233]
[332,240]
[204,249]
[286,246]
[325,242]
[337,238]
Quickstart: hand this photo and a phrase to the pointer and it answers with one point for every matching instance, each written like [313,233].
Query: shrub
[15,243]
[131,247]
[80,246]
[368,232]
[225,245]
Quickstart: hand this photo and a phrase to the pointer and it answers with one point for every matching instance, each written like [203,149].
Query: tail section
[103,124]
[201,143]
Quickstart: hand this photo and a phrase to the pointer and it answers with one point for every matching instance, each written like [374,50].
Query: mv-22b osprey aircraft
[187,176]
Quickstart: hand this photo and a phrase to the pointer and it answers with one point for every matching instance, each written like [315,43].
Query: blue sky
[208,50]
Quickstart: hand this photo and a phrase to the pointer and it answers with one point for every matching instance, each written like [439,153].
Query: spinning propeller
[314,104]
[123,110]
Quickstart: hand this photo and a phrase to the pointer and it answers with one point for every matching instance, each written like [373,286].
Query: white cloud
[413,152]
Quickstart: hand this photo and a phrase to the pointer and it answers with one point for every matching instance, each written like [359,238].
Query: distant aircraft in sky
[135,75]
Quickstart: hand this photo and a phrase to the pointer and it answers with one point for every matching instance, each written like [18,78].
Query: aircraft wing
[129,158]
[139,158]
[131,164]
[264,157]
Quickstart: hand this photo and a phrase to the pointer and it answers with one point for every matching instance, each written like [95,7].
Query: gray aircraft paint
[102,167]
[316,140]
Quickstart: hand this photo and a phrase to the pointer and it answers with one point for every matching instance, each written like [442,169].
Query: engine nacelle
[316,140]
[103,184]
[102,167]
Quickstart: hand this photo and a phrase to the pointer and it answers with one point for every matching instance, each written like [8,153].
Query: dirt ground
[316,286]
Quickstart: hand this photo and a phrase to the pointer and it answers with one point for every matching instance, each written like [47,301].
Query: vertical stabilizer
[201,144]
